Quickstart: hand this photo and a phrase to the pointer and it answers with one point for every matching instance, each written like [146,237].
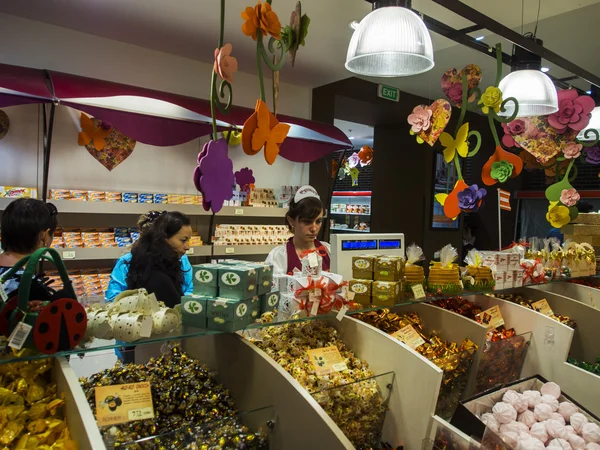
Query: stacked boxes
[229,296]
[506,268]
[377,280]
[226,234]
[125,197]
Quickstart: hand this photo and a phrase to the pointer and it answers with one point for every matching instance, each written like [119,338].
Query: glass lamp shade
[390,42]
[594,123]
[534,91]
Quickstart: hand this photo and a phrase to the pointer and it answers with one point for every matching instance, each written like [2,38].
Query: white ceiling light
[594,123]
[391,41]
[534,90]
[545,69]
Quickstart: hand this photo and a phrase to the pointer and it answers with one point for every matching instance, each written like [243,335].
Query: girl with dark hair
[304,219]
[158,260]
[27,225]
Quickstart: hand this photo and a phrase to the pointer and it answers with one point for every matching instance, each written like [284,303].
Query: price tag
[68,254]
[543,307]
[146,329]
[327,360]
[342,312]
[418,291]
[492,318]
[121,403]
[315,307]
[19,335]
[350,295]
[239,212]
[312,260]
[190,251]
[409,336]
[229,250]
[3,294]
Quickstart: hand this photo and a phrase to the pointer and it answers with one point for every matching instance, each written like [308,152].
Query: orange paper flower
[91,133]
[225,64]
[263,130]
[260,17]
[365,155]
[501,155]
[451,208]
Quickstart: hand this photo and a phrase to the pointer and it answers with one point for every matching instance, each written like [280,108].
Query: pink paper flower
[353,160]
[511,129]
[225,64]
[455,93]
[572,150]
[569,197]
[574,111]
[420,119]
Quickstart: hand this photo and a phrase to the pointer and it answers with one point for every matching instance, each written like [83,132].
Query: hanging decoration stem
[213,80]
[463,106]
[498,64]
[259,57]
[493,129]
[457,165]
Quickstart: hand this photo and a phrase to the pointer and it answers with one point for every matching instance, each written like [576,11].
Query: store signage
[388,93]
[492,318]
[409,336]
[543,307]
[327,360]
[121,403]
[418,291]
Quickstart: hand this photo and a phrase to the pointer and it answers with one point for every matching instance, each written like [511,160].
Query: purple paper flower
[471,198]
[244,177]
[353,160]
[574,111]
[592,155]
[214,175]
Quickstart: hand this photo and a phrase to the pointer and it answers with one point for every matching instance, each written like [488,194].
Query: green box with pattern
[226,314]
[193,310]
[269,302]
[237,282]
[206,279]
[264,277]
[254,305]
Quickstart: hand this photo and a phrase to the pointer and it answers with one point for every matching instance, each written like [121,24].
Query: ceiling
[189,28]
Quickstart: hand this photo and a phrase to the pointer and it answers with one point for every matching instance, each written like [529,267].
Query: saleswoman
[304,219]
[158,260]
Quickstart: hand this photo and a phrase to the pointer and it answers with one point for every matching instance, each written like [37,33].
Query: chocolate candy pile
[455,360]
[351,397]
[191,409]
[527,303]
[31,415]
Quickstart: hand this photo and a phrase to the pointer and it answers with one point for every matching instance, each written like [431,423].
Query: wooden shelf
[250,211]
[95,254]
[237,250]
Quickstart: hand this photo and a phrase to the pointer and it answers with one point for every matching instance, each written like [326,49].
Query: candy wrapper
[191,409]
[594,368]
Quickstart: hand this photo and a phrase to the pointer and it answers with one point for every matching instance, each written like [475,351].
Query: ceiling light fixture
[533,89]
[545,69]
[391,41]
[594,92]
[480,38]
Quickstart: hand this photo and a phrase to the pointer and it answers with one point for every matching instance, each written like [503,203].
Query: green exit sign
[388,92]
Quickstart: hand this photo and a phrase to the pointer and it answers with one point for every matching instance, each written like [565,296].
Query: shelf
[351,229]
[236,250]
[350,214]
[91,254]
[250,211]
[351,194]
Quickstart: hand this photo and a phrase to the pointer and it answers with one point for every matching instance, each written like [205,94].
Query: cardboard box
[363,266]
[362,290]
[237,282]
[388,268]
[228,315]
[254,305]
[193,311]
[288,284]
[385,293]
[265,277]
[206,279]
[269,302]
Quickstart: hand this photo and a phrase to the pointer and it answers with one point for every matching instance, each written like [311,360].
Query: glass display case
[350,212]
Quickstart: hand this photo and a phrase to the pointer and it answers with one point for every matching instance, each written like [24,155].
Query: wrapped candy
[591,433]
[528,418]
[551,389]
[504,413]
[559,444]
[542,412]
[538,431]
[533,398]
[551,401]
[490,421]
[578,421]
[567,409]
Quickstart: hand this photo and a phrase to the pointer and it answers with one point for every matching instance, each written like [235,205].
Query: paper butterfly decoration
[263,130]
[92,133]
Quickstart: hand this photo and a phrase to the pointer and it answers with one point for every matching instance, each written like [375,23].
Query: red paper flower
[574,111]
[365,155]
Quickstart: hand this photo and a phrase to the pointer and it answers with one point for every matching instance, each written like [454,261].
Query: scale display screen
[370,244]
[390,244]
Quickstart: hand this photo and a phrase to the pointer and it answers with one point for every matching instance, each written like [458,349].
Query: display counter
[585,294]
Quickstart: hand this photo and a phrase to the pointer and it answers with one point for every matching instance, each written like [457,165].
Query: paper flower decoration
[491,99]
[592,155]
[569,197]
[263,130]
[514,128]
[502,171]
[572,150]
[558,215]
[244,177]
[117,147]
[574,111]
[420,119]
[214,175]
[234,138]
[91,133]
[441,110]
[450,201]
[366,155]
[471,198]
[334,168]
[353,160]
[354,176]
[452,146]
[451,83]
[262,18]
[294,35]
[225,64]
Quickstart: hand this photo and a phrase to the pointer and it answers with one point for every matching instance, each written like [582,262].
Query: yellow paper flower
[558,215]
[459,144]
[491,98]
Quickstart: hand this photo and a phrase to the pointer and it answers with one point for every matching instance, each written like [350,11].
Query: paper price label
[492,318]
[315,307]
[312,260]
[121,403]
[19,335]
[68,254]
[418,291]
[350,295]
[409,336]
[3,294]
[341,313]
[327,360]
[543,307]
[239,212]
[229,250]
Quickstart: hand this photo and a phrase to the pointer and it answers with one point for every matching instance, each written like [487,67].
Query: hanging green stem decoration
[587,135]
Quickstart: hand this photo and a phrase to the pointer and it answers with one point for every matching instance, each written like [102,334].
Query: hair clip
[52,209]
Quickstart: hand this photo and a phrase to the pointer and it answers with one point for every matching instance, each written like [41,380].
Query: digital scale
[345,246]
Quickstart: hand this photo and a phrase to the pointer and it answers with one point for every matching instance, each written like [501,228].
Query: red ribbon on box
[529,273]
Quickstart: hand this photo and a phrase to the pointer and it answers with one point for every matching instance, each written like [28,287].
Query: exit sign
[388,92]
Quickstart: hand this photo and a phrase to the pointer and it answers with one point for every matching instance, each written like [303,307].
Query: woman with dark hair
[27,225]
[158,260]
[304,219]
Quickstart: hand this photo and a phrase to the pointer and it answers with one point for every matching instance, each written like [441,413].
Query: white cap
[305,191]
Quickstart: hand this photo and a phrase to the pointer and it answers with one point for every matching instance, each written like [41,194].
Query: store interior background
[318,88]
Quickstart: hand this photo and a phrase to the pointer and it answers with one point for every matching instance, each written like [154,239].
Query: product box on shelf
[362,290]
[229,315]
[193,310]
[17,192]
[363,266]
[264,276]
[206,279]
[388,268]
[237,282]
[269,302]
[386,293]
[289,285]
[254,304]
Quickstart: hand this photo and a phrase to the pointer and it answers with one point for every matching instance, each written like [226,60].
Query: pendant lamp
[534,90]
[595,120]
[391,41]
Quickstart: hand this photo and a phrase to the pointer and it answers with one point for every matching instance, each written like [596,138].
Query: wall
[35,44]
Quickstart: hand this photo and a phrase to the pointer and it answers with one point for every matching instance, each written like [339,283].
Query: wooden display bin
[584,294]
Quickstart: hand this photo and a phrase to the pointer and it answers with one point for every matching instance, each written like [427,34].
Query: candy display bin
[585,294]
[447,437]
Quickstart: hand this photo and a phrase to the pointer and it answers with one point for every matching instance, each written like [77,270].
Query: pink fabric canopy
[155,117]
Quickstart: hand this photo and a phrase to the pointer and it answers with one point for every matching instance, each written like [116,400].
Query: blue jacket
[118,277]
